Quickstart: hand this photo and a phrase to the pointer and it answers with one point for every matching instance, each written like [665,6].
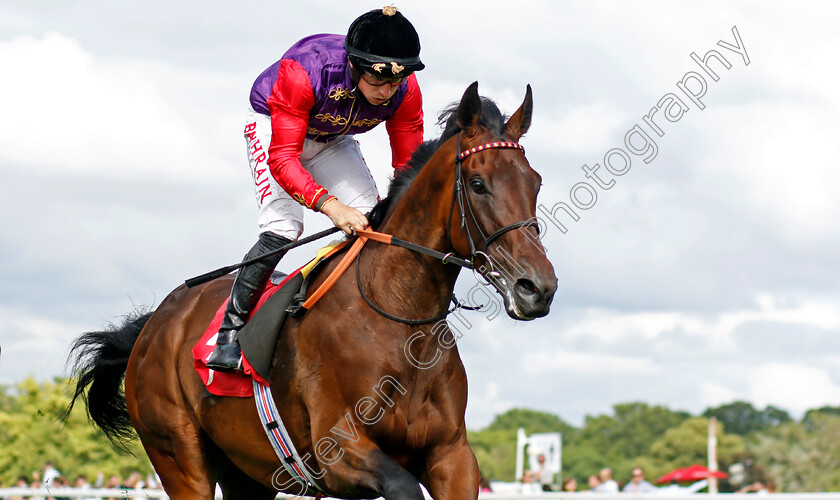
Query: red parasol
[690,473]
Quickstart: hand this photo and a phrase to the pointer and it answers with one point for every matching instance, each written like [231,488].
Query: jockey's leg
[281,222]
[339,166]
[247,287]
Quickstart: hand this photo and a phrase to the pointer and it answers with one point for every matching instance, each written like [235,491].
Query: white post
[521,441]
[712,452]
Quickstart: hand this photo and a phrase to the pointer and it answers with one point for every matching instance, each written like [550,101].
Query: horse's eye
[477,186]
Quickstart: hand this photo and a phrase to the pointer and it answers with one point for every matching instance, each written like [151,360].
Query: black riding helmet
[383,42]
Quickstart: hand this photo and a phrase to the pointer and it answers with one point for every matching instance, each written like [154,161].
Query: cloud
[583,129]
[76,114]
[32,345]
[560,360]
[793,386]
[779,166]
[712,395]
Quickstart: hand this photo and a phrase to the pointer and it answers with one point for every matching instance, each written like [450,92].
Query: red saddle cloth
[230,383]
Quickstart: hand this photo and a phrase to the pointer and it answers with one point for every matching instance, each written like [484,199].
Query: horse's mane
[491,117]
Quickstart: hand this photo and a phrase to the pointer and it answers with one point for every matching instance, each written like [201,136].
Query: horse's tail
[99,360]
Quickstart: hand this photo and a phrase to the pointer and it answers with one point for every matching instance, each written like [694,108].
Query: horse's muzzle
[532,297]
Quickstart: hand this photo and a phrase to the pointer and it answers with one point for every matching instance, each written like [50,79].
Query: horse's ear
[520,122]
[469,110]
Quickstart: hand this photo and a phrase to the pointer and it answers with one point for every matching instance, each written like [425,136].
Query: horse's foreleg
[364,469]
[452,472]
[395,482]
[236,485]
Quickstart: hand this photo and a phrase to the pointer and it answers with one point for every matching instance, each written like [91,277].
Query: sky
[704,271]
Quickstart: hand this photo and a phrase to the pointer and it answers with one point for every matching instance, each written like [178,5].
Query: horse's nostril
[526,287]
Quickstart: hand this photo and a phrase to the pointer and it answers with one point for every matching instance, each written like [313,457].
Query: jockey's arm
[405,128]
[289,104]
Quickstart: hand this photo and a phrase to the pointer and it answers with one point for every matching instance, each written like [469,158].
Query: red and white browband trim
[490,145]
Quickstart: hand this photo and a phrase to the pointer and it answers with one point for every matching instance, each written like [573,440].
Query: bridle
[459,197]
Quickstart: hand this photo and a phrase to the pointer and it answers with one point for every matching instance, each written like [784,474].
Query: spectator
[100,480]
[608,484]
[81,483]
[757,487]
[544,476]
[593,483]
[530,483]
[20,483]
[569,485]
[36,485]
[638,484]
[50,473]
[484,485]
[135,482]
[153,481]
[59,484]
[114,482]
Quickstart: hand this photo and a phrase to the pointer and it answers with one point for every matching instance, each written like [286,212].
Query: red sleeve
[289,104]
[405,128]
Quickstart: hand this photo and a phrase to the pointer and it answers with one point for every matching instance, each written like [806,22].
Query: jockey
[305,109]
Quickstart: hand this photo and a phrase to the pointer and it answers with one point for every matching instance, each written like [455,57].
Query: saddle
[257,338]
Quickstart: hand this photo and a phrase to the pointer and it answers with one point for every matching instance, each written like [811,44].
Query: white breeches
[337,165]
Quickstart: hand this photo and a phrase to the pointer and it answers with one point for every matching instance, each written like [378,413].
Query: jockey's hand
[345,217]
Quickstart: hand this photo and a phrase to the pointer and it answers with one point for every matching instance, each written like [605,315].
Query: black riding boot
[247,287]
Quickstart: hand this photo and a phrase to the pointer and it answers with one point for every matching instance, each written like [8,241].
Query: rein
[364,235]
[459,197]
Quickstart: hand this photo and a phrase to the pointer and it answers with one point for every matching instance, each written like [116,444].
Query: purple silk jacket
[337,110]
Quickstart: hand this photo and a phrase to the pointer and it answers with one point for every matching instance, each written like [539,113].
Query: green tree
[495,452]
[687,444]
[801,457]
[620,441]
[5,399]
[740,417]
[31,434]
[808,418]
[532,421]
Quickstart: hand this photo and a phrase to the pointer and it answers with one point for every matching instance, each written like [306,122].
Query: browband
[490,145]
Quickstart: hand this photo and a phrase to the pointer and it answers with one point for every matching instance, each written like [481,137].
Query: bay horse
[471,194]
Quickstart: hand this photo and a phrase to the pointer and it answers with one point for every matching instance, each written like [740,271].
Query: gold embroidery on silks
[317,133]
[389,10]
[366,122]
[378,67]
[396,68]
[339,93]
[334,120]
[300,199]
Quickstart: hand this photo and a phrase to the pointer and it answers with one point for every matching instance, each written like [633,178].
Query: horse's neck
[420,216]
